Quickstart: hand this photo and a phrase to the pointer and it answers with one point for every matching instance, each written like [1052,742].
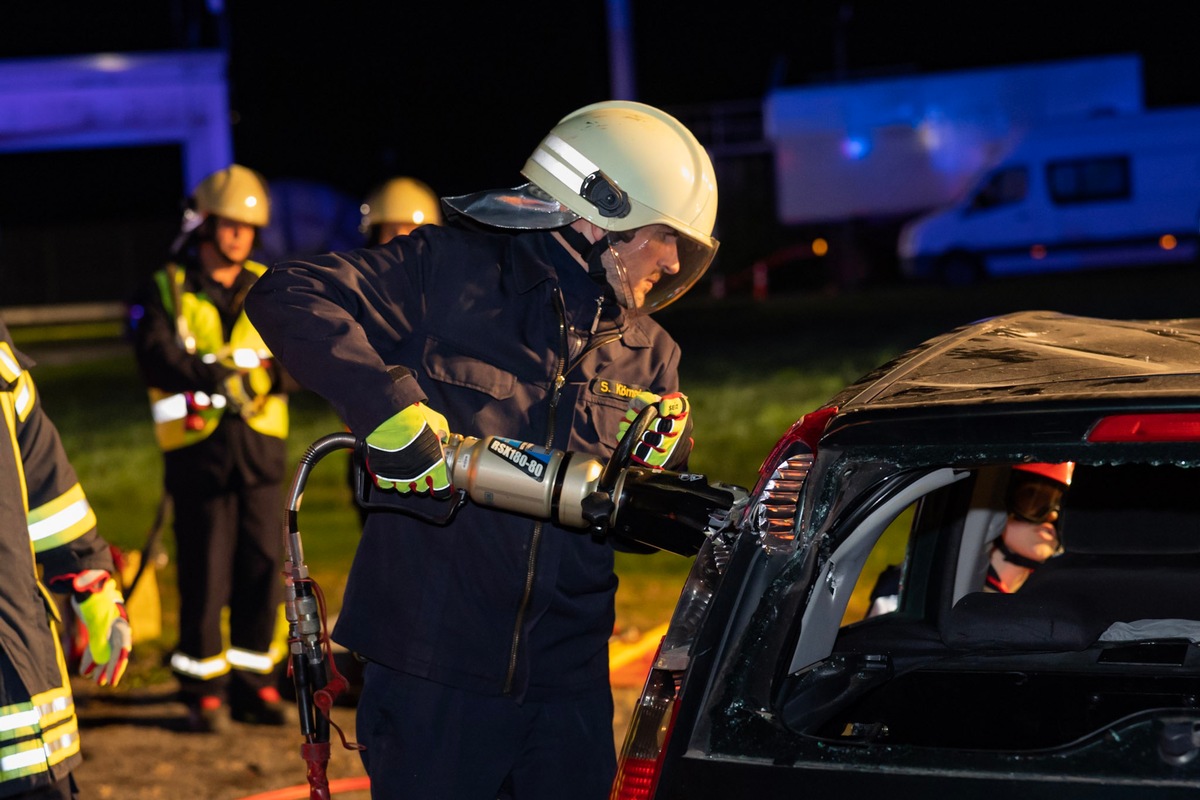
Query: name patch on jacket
[529,458]
[625,391]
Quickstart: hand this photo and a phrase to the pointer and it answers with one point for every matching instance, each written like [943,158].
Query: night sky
[348,93]
[343,95]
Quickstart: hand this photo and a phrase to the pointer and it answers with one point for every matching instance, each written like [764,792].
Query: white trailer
[1112,190]
[890,148]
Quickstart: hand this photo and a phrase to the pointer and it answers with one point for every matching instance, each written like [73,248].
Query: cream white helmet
[402,201]
[236,193]
[620,165]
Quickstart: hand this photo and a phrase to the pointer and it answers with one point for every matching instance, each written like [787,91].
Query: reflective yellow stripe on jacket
[38,734]
[62,520]
[12,375]
[172,412]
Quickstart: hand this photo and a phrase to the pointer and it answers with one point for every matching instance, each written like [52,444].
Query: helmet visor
[525,207]
[652,266]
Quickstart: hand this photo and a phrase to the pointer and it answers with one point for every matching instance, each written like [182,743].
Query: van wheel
[960,269]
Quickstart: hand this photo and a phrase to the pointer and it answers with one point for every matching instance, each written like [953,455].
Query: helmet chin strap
[1016,558]
[592,254]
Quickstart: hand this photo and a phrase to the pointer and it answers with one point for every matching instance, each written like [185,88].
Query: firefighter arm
[327,321]
[62,532]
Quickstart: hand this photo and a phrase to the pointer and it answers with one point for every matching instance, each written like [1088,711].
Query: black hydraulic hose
[308,659]
[315,452]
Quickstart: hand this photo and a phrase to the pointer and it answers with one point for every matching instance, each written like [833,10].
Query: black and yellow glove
[663,436]
[405,452]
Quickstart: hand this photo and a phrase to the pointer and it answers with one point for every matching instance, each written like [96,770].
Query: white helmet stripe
[557,169]
[582,164]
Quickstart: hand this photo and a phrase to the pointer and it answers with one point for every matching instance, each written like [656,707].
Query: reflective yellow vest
[185,418]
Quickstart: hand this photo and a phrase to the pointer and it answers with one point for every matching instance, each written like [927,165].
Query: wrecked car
[775,681]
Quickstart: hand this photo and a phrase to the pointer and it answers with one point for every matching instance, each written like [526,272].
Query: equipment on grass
[139,569]
[652,508]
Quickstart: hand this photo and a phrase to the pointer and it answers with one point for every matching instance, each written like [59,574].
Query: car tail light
[646,743]
[782,476]
[654,715]
[1147,428]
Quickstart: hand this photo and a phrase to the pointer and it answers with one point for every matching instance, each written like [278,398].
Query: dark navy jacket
[497,329]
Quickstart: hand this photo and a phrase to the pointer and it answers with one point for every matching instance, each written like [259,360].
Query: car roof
[1029,377]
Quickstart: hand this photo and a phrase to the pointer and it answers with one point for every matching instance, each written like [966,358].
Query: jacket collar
[534,264]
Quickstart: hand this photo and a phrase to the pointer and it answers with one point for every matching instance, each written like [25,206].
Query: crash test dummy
[1030,536]
[1027,536]
[219,405]
[47,528]
[527,315]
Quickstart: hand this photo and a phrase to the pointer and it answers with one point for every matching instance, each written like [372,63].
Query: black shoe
[207,714]
[264,707]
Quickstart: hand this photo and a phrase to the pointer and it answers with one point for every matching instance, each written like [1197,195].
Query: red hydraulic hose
[302,792]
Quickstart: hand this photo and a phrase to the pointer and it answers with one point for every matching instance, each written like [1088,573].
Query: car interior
[1103,634]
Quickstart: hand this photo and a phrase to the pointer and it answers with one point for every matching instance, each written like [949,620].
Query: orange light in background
[1167,242]
[1037,252]
[820,247]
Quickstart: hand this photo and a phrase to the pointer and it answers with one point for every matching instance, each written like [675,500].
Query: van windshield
[1003,187]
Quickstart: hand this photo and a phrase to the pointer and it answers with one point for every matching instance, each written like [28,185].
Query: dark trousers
[63,790]
[229,545]
[424,739]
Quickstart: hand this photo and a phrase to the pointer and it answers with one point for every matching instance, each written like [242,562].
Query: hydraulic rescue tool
[651,508]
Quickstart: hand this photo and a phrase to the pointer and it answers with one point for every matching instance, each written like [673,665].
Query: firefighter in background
[47,523]
[397,208]
[219,404]
[526,315]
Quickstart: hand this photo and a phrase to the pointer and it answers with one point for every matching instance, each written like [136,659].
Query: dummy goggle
[1034,501]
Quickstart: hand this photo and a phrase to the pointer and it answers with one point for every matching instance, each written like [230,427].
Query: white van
[1105,191]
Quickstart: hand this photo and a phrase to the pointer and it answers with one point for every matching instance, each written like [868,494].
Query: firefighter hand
[405,452]
[244,390]
[101,608]
[236,392]
[664,434]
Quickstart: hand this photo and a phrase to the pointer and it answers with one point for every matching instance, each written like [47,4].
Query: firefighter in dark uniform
[220,412]
[526,315]
[46,522]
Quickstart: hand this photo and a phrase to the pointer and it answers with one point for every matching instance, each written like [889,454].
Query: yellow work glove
[237,394]
[664,434]
[405,452]
[246,391]
[101,608]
